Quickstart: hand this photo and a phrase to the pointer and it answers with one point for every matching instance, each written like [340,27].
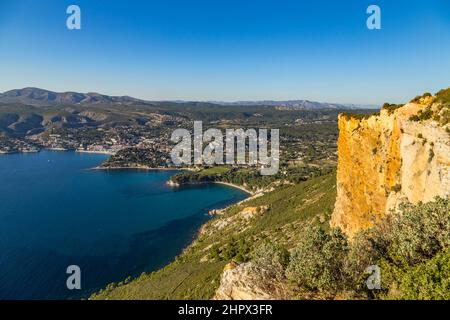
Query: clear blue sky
[228,49]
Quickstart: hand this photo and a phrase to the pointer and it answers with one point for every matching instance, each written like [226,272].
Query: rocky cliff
[239,282]
[400,154]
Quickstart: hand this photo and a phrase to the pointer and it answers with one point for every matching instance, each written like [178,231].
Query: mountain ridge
[41,97]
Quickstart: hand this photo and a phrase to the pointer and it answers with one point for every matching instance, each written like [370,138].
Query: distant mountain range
[41,97]
[298,104]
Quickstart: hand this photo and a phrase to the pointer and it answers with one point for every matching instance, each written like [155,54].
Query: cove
[55,212]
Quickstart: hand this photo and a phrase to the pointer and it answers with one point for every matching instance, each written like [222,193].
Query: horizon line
[213,101]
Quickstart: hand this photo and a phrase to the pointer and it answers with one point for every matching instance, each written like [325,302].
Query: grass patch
[214,171]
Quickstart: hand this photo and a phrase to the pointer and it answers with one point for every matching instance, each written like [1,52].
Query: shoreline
[197,233]
[197,227]
[143,168]
[235,186]
[18,152]
[95,152]
[56,150]
[176,185]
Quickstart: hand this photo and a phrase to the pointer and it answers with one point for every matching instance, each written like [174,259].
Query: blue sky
[228,50]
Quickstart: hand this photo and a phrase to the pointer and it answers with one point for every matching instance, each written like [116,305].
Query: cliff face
[386,159]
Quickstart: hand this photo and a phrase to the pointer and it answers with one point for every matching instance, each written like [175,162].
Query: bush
[419,232]
[411,247]
[317,262]
[271,260]
[268,265]
[443,96]
[444,117]
[400,243]
[358,116]
[391,107]
[364,251]
[429,280]
[425,95]
[423,115]
[237,250]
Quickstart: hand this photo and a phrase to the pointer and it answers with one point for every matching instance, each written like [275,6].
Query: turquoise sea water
[54,212]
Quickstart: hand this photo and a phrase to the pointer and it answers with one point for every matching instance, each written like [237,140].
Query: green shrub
[429,280]
[271,260]
[317,262]
[417,98]
[237,250]
[422,115]
[444,117]
[358,116]
[443,96]
[364,251]
[391,107]
[406,245]
[400,243]
[419,232]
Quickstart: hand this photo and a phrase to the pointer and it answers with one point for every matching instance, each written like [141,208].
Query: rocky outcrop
[240,282]
[389,158]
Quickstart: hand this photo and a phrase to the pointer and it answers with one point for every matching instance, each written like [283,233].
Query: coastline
[143,168]
[95,152]
[57,150]
[197,233]
[189,226]
[173,184]
[18,152]
[235,186]
[212,215]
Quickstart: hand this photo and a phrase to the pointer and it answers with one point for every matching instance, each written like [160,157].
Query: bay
[55,212]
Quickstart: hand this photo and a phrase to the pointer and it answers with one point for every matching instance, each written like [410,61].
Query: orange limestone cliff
[390,158]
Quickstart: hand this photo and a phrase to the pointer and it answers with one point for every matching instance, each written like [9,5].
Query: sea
[57,213]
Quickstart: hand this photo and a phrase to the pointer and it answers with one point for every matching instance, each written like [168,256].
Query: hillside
[233,236]
[41,97]
[30,111]
[25,115]
[281,245]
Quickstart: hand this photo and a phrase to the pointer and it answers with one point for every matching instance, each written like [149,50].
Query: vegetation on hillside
[137,157]
[284,235]
[195,274]
[417,99]
[290,246]
[390,107]
[250,178]
[438,107]
[358,116]
[411,248]
[443,96]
